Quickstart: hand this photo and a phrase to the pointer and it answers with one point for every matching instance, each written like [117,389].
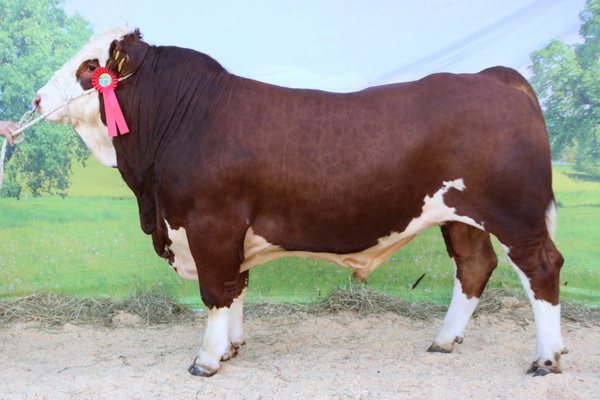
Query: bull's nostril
[37,103]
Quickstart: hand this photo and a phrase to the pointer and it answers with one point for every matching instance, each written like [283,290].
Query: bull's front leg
[235,329]
[237,337]
[223,336]
[215,344]
[222,288]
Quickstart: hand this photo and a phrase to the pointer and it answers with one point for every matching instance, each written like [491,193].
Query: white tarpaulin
[346,45]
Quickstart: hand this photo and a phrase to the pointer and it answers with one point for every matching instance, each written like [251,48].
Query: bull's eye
[92,68]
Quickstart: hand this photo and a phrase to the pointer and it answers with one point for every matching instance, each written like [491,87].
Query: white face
[83,112]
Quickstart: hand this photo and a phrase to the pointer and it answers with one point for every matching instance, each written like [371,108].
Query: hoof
[231,352]
[198,370]
[536,370]
[541,372]
[434,348]
[532,369]
[237,345]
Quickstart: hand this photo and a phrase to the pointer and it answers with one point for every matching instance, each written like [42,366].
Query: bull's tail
[516,80]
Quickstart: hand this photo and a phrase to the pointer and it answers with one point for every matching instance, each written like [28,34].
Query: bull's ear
[126,55]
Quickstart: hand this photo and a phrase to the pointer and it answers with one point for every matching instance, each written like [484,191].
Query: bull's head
[75,77]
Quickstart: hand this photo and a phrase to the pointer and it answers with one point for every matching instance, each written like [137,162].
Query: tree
[36,38]
[566,79]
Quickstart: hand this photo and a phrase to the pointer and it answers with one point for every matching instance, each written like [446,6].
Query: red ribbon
[105,82]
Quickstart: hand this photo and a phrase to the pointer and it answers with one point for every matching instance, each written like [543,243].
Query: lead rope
[29,114]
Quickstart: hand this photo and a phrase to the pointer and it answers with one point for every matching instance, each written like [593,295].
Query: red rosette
[105,83]
[103,80]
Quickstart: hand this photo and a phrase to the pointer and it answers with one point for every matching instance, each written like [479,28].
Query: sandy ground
[297,356]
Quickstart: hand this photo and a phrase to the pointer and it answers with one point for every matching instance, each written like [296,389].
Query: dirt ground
[296,356]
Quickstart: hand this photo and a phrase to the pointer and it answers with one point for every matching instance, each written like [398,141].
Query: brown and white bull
[230,173]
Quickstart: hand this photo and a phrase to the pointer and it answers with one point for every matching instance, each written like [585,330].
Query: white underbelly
[257,250]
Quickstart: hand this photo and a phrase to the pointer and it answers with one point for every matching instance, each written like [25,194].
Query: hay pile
[152,306]
[364,300]
[506,302]
[578,313]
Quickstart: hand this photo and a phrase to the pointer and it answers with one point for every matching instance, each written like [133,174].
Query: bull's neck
[166,103]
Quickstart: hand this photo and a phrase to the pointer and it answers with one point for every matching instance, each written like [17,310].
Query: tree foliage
[566,79]
[36,38]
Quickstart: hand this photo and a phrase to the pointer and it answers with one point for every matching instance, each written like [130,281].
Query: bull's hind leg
[474,260]
[538,267]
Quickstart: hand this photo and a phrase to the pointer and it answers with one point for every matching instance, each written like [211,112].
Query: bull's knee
[218,295]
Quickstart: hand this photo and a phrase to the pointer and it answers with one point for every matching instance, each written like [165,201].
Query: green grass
[88,247]
[90,244]
[97,180]
[578,232]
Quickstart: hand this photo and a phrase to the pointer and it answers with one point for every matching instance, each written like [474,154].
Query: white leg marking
[547,326]
[216,339]
[547,321]
[458,315]
[236,321]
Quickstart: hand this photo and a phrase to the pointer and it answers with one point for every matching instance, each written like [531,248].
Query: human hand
[6,128]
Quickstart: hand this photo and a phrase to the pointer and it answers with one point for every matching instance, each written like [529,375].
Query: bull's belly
[257,250]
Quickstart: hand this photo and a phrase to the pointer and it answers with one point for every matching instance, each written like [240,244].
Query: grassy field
[90,244]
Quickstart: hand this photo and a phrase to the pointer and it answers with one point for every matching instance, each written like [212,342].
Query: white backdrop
[346,45]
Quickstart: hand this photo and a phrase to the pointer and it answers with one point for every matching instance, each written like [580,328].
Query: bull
[230,173]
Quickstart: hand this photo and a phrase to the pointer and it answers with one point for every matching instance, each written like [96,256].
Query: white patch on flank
[83,112]
[183,261]
[215,343]
[258,251]
[458,315]
[547,319]
[236,320]
[435,211]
